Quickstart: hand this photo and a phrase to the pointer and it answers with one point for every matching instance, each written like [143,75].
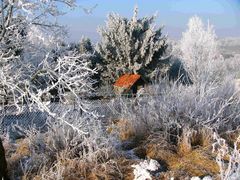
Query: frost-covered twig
[230,170]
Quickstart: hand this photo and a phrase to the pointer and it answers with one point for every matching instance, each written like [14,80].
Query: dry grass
[178,163]
[16,153]
[185,160]
[191,139]
[184,143]
[60,153]
[159,151]
[63,167]
[202,137]
[125,168]
[123,128]
[199,162]
[73,169]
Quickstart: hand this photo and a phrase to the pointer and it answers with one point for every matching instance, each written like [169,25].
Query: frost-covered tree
[33,62]
[130,46]
[43,66]
[16,15]
[28,32]
[199,47]
[29,20]
[85,46]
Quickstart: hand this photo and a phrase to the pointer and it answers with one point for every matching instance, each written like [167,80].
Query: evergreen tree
[131,46]
[85,46]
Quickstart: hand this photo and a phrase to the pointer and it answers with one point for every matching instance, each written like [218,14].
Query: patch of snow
[142,170]
[207,178]
[195,178]
[198,178]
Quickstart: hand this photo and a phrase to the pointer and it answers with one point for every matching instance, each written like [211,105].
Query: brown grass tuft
[125,168]
[74,169]
[184,143]
[15,153]
[202,137]
[197,161]
[124,129]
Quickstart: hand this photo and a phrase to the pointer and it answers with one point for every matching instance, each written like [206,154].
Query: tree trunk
[3,163]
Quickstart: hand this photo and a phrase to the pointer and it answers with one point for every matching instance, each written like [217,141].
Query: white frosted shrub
[199,50]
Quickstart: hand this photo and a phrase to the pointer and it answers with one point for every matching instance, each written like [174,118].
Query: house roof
[127,80]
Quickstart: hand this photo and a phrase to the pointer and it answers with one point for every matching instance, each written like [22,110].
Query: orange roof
[127,80]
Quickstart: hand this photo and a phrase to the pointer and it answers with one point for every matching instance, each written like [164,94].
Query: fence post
[3,163]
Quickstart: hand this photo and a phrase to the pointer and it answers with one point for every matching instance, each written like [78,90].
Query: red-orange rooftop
[127,80]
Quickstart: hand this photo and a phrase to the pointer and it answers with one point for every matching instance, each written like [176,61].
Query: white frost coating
[231,169]
[141,170]
[37,37]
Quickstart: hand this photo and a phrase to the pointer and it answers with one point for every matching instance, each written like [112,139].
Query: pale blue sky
[173,14]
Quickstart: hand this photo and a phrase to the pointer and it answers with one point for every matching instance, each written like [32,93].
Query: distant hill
[230,41]
[229,46]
